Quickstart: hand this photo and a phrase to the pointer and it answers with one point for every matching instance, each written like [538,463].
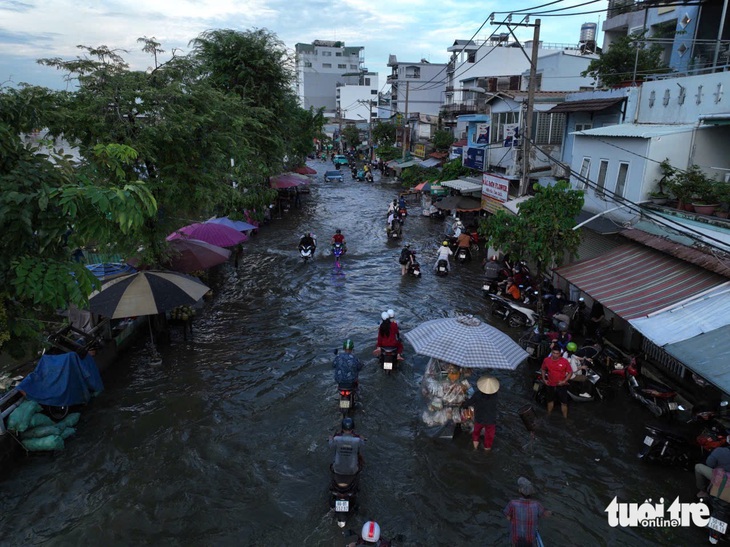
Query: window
[326,54]
[373,91]
[583,126]
[499,120]
[307,64]
[623,169]
[341,66]
[548,128]
[585,171]
[413,72]
[471,57]
[367,81]
[326,65]
[353,67]
[601,181]
[338,54]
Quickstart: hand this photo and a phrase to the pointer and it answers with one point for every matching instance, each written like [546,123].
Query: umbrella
[109,270]
[286,181]
[190,255]
[215,234]
[238,225]
[467,342]
[460,203]
[305,170]
[146,293]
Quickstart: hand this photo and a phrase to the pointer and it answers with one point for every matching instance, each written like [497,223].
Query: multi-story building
[357,96]
[323,65]
[416,86]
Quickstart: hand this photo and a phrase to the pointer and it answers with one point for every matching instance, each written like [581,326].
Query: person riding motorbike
[308,240]
[493,269]
[407,258]
[464,242]
[347,366]
[444,253]
[458,228]
[348,449]
[512,289]
[370,535]
[339,238]
[388,335]
[393,206]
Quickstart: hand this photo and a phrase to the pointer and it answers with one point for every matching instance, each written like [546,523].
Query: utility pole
[527,131]
[405,125]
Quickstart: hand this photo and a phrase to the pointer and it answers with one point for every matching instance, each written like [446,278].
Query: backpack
[404,256]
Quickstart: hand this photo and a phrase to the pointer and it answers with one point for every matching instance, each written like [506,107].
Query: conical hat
[488,385]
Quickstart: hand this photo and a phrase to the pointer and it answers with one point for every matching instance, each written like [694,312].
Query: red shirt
[390,341]
[557,369]
[338,238]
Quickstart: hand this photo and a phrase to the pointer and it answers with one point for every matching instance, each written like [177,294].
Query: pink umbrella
[215,234]
[189,255]
[286,181]
[305,170]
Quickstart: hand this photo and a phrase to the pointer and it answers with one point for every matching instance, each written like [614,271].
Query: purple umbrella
[215,234]
[235,224]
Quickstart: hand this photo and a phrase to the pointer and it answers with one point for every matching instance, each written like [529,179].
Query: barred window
[498,122]
[548,128]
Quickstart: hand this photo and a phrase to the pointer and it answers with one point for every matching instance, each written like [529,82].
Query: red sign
[495,187]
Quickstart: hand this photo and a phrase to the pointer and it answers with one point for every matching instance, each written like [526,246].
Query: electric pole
[405,125]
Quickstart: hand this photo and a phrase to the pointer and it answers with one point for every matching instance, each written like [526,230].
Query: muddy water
[224,443]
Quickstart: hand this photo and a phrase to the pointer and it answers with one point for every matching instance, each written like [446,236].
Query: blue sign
[474,158]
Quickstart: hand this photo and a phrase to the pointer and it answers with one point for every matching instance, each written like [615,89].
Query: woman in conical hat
[484,402]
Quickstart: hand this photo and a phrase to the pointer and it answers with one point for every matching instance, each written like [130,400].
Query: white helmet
[391,314]
[370,531]
[384,315]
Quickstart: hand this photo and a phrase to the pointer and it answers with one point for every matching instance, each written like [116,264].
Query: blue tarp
[63,380]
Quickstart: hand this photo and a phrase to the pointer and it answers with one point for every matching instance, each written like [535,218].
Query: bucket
[527,414]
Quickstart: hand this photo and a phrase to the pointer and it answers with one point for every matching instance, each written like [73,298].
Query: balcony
[392,78]
[461,108]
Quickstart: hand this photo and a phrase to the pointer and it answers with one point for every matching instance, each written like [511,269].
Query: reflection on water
[224,443]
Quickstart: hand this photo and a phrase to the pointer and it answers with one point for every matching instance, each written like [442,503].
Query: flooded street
[225,442]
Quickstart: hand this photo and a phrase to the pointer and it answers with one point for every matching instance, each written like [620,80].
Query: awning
[458,203]
[700,315]
[706,355]
[409,163]
[636,130]
[462,185]
[634,281]
[419,187]
[601,224]
[430,162]
[716,119]
[512,204]
[305,170]
[590,105]
[286,181]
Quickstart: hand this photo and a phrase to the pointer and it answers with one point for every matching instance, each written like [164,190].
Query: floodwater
[225,442]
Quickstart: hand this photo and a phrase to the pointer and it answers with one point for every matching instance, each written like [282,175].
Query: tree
[442,140]
[627,57]
[351,135]
[542,232]
[384,134]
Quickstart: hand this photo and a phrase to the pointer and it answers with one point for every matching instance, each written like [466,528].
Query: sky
[410,29]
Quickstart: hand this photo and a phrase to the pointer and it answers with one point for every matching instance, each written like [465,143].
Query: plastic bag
[66,433]
[19,419]
[41,431]
[69,421]
[40,419]
[51,442]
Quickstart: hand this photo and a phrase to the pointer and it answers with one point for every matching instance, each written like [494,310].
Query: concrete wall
[424,92]
[704,94]
[561,72]
[710,151]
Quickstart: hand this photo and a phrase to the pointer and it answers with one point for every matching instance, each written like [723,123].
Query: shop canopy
[634,281]
[287,180]
[458,203]
[430,162]
[462,185]
[706,355]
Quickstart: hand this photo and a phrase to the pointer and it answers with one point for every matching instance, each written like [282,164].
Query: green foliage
[692,185]
[442,139]
[412,176]
[351,135]
[454,169]
[626,56]
[542,232]
[384,134]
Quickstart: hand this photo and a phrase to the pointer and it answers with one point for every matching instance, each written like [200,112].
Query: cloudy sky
[410,29]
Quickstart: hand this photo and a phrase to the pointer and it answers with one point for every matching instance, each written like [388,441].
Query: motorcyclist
[512,289]
[444,253]
[463,241]
[388,335]
[393,206]
[308,240]
[347,366]
[458,228]
[407,258]
[339,238]
[348,449]
[391,222]
[370,535]
[493,269]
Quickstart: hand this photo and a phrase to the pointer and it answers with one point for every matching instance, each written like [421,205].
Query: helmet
[391,314]
[494,258]
[445,243]
[338,231]
[384,315]
[348,344]
[572,347]
[370,531]
[308,234]
[348,424]
[562,326]
[407,245]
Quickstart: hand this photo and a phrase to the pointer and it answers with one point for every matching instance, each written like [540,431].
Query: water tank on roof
[588,32]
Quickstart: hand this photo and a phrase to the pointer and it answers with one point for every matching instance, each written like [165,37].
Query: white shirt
[444,252]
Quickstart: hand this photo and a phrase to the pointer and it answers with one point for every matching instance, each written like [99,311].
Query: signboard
[511,134]
[456,152]
[482,134]
[495,186]
[474,158]
[419,150]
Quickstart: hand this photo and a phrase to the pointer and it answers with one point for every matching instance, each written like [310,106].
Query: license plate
[342,506]
[344,403]
[648,441]
[717,525]
[388,365]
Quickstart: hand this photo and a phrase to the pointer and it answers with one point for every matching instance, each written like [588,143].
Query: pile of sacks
[37,431]
[445,387]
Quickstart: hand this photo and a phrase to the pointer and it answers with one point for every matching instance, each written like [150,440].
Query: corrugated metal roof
[706,355]
[633,281]
[462,185]
[698,316]
[430,162]
[638,130]
[589,105]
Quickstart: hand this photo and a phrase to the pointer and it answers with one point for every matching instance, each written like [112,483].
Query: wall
[708,102]
[710,149]
[561,72]
[424,94]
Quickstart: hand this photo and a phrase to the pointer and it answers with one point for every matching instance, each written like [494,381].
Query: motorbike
[389,358]
[513,312]
[347,398]
[343,496]
[719,517]
[657,397]
[337,251]
[306,251]
[396,231]
[442,267]
[414,269]
[354,172]
[463,255]
[580,391]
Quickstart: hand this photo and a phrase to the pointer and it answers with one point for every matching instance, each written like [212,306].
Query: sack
[51,442]
[40,419]
[66,433]
[42,431]
[19,419]
[69,421]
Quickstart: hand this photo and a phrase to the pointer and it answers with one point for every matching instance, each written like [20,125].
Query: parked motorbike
[657,397]
[414,269]
[513,312]
[343,496]
[719,517]
[389,358]
[306,251]
[442,268]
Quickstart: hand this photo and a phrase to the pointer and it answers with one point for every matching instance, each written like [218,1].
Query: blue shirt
[347,367]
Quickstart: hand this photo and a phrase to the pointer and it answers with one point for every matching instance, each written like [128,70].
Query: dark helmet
[338,231]
[348,424]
